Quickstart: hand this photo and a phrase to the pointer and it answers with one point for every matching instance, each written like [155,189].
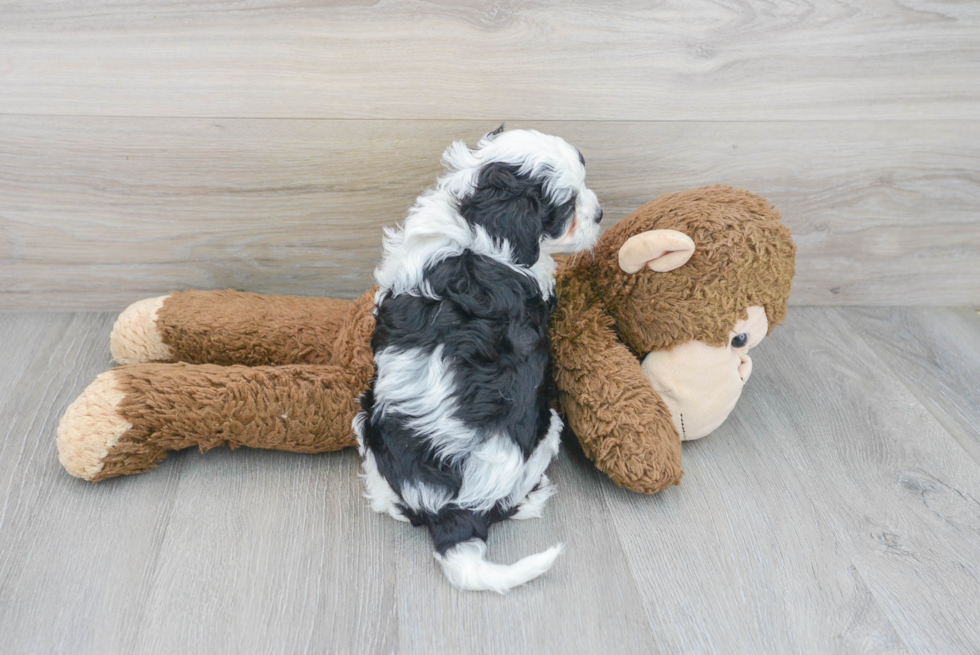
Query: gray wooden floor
[836,511]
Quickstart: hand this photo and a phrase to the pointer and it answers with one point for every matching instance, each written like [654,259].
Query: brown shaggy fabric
[232,327]
[744,256]
[298,408]
[295,407]
[621,422]
[608,320]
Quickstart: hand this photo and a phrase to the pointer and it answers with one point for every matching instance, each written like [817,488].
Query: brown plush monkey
[649,342]
[652,332]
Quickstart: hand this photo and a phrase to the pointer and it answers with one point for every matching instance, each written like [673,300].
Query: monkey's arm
[620,420]
[231,327]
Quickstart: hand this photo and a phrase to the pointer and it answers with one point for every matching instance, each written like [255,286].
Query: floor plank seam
[153,574]
[914,390]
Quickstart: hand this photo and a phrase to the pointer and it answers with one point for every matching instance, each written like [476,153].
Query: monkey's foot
[90,428]
[135,338]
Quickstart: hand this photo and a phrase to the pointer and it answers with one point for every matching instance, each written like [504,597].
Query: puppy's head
[525,190]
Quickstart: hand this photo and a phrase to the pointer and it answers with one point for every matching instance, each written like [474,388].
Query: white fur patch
[425,498]
[538,461]
[491,473]
[544,270]
[420,386]
[465,567]
[383,498]
[533,505]
[434,230]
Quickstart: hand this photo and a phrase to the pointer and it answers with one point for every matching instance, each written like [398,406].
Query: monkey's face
[692,281]
[701,383]
[699,380]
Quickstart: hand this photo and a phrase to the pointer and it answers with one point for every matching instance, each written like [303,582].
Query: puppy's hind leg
[460,538]
[533,504]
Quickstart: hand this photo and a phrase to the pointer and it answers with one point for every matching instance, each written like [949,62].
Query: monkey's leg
[130,417]
[231,327]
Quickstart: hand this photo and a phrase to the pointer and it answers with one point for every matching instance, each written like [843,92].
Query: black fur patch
[512,205]
[493,325]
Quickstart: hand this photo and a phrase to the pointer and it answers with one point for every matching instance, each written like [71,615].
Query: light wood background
[148,145]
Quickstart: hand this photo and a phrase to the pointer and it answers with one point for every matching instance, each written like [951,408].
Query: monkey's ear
[660,250]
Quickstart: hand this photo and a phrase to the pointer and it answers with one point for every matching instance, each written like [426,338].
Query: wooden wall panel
[261,144]
[491,60]
[96,212]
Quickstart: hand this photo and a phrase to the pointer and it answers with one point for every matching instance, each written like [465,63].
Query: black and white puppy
[456,431]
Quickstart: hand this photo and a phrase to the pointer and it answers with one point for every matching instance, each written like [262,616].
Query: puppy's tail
[466,568]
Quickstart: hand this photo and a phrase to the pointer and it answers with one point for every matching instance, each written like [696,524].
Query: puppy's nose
[598,216]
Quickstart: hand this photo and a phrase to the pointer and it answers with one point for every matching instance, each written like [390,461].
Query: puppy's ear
[510,206]
[497,131]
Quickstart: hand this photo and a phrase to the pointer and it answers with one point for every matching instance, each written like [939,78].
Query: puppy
[456,430]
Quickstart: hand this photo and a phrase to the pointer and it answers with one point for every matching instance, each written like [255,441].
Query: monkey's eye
[739,340]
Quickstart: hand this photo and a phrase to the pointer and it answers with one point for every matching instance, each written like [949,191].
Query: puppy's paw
[135,338]
[90,427]
[533,505]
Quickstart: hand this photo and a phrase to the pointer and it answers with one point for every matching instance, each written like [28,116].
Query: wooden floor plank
[936,353]
[255,550]
[76,557]
[21,340]
[523,60]
[830,494]
[272,552]
[831,513]
[587,603]
[897,491]
[99,212]
[738,558]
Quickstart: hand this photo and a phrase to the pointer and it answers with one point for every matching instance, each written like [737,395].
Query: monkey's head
[694,280]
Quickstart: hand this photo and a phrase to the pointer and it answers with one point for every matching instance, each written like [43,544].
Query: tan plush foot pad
[135,338]
[90,427]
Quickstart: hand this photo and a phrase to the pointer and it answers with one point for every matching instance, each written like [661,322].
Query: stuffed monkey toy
[651,335]
[649,339]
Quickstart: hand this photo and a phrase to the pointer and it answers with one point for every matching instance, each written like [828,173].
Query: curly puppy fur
[457,421]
